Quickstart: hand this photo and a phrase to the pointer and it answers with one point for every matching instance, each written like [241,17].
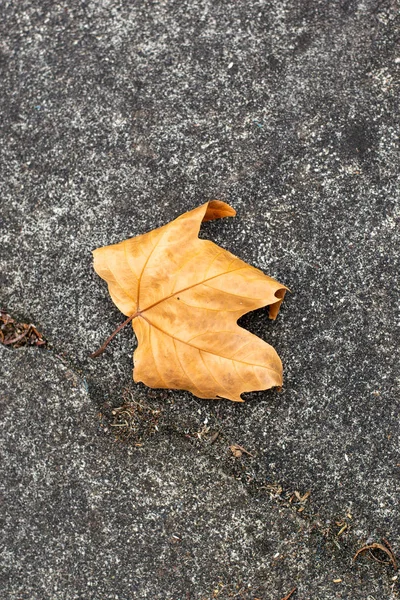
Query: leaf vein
[146,263]
[203,350]
[182,367]
[154,360]
[189,288]
[219,384]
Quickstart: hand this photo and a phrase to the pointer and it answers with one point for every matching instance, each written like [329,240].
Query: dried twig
[17,334]
[384,548]
[290,594]
[16,339]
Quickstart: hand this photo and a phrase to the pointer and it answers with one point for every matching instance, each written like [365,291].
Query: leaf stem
[114,333]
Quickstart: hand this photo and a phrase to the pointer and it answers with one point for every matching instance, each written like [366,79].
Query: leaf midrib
[189,287]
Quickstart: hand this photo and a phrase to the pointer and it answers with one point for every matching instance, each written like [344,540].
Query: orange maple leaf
[184,297]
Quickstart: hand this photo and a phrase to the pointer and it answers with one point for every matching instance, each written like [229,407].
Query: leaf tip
[274,308]
[217,209]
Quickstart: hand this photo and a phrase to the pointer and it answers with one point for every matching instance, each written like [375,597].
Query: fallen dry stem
[290,594]
[384,548]
[16,339]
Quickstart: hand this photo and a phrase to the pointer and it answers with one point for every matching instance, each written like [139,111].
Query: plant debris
[213,437]
[17,335]
[134,421]
[290,594]
[385,547]
[237,451]
[298,501]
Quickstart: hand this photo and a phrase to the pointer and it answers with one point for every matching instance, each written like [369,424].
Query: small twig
[114,333]
[289,594]
[384,540]
[16,339]
[376,546]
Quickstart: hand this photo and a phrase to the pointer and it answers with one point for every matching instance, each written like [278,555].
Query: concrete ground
[115,118]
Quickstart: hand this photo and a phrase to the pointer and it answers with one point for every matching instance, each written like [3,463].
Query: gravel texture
[115,118]
[90,518]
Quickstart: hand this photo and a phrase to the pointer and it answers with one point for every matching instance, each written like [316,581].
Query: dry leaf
[184,297]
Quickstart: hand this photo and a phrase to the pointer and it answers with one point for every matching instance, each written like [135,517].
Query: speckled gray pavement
[115,118]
